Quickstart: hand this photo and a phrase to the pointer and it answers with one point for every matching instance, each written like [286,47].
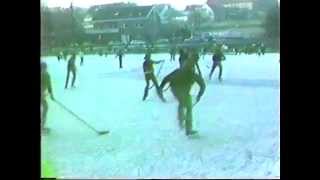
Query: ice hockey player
[204,52]
[194,56]
[262,48]
[173,54]
[120,55]
[81,57]
[58,57]
[65,54]
[181,81]
[217,57]
[46,87]
[71,68]
[149,75]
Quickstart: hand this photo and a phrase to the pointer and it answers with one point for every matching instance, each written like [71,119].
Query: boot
[191,133]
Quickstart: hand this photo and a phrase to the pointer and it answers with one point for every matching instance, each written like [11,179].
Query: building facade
[232,9]
[110,22]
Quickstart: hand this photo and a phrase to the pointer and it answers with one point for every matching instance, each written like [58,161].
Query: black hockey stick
[195,103]
[83,121]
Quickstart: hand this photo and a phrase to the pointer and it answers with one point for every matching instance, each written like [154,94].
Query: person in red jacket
[71,69]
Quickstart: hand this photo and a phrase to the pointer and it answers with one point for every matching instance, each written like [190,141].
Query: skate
[192,133]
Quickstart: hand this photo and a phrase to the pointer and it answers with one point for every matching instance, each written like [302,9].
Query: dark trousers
[215,64]
[74,75]
[81,61]
[184,110]
[151,77]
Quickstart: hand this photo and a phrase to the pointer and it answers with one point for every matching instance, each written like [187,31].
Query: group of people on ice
[180,80]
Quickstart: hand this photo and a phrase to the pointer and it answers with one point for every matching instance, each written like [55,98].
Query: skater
[217,57]
[120,55]
[58,57]
[149,75]
[193,56]
[81,57]
[173,54]
[181,81]
[262,49]
[46,87]
[71,69]
[204,52]
[65,54]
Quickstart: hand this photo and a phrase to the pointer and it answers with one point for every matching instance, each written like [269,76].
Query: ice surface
[238,120]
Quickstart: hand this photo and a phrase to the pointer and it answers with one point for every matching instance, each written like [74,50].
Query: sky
[178,4]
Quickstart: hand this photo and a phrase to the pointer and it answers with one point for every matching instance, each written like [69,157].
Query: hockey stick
[195,104]
[83,121]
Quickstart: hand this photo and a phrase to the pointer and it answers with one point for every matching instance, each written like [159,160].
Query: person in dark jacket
[217,57]
[149,75]
[181,81]
[71,68]
[120,54]
[173,54]
[81,54]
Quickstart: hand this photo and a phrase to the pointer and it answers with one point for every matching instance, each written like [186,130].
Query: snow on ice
[238,121]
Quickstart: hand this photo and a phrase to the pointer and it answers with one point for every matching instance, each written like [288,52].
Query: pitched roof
[118,12]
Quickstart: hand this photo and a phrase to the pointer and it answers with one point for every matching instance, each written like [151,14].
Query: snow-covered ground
[238,121]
